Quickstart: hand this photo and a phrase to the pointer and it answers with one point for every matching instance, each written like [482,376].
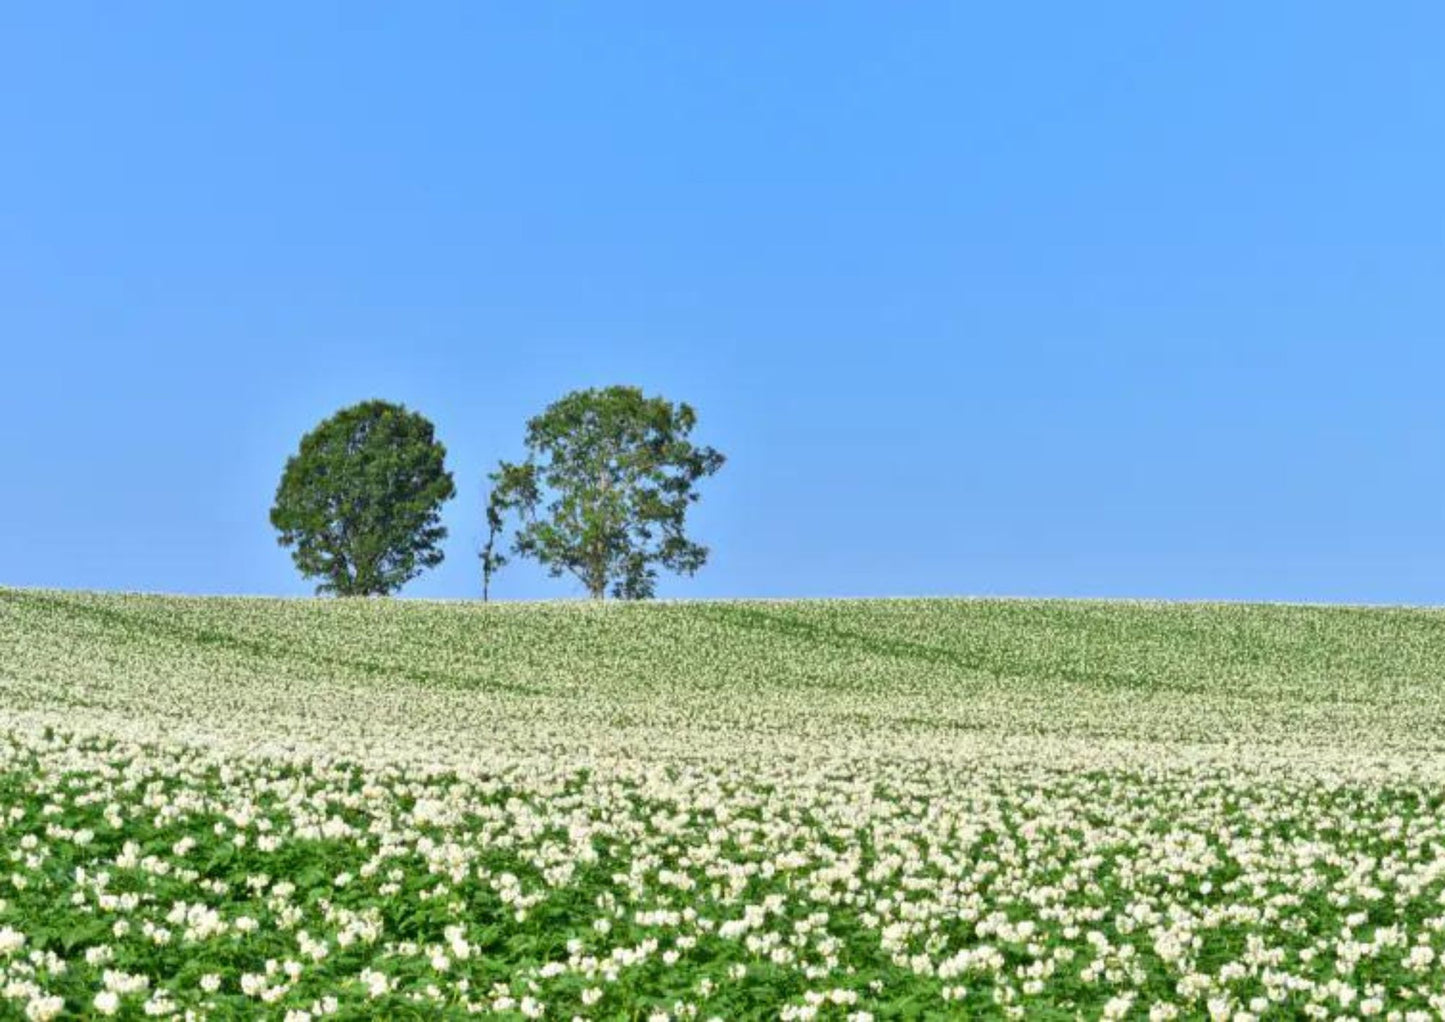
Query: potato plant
[226,808]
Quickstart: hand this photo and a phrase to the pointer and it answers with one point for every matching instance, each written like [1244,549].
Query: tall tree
[604,490]
[493,560]
[361,500]
[514,488]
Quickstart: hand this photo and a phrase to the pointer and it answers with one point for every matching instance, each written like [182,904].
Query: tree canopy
[360,501]
[604,491]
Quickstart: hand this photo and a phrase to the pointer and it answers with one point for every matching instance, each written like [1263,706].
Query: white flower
[10,940]
[40,1008]
[1117,1007]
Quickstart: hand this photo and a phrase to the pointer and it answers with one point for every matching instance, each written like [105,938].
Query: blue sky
[1099,300]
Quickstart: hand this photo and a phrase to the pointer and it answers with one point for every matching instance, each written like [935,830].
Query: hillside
[852,810]
[1151,671]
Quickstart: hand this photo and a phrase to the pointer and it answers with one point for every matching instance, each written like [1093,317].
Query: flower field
[297,809]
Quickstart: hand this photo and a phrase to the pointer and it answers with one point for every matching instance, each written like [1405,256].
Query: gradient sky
[1136,300]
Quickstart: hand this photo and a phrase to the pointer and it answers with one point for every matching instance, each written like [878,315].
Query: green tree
[361,500]
[493,559]
[604,490]
[514,489]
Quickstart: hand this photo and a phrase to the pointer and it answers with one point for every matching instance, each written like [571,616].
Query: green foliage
[514,488]
[360,502]
[604,491]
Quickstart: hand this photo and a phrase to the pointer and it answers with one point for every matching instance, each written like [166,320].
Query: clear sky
[1076,299]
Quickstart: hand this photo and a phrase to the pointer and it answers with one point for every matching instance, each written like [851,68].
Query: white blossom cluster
[839,810]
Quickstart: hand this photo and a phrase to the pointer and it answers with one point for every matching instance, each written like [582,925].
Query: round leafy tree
[604,491]
[360,502]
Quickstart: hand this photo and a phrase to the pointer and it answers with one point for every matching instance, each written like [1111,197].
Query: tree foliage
[604,490]
[360,501]
[514,488]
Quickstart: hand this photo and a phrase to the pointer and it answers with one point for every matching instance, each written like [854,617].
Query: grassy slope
[1201,672]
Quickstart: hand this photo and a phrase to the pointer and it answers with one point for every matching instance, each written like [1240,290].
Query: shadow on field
[999,665]
[163,628]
